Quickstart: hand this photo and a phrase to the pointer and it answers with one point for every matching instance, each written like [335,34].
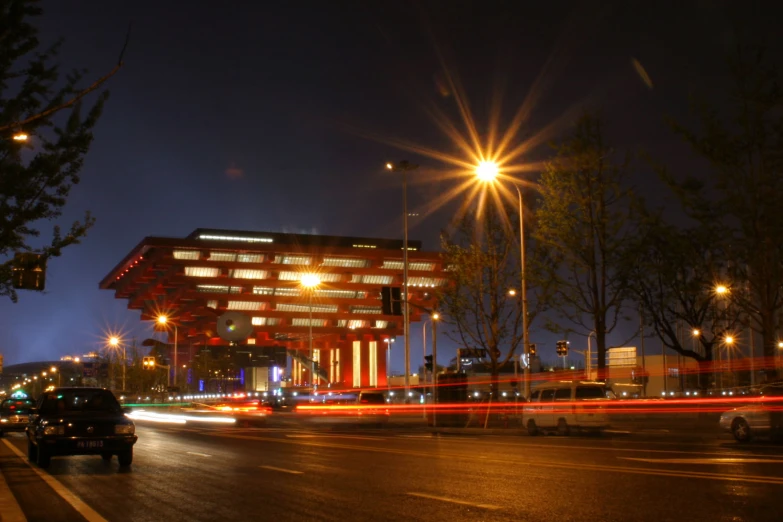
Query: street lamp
[114,341]
[487,171]
[310,282]
[388,342]
[20,136]
[54,369]
[404,167]
[163,320]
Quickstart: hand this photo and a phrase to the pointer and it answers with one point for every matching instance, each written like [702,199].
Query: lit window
[381,324]
[425,281]
[215,289]
[304,321]
[243,305]
[222,256]
[212,304]
[245,273]
[258,321]
[357,364]
[371,279]
[201,271]
[250,258]
[187,254]
[236,238]
[373,363]
[393,265]
[356,323]
[366,310]
[263,290]
[337,294]
[287,292]
[293,260]
[320,308]
[346,262]
[289,276]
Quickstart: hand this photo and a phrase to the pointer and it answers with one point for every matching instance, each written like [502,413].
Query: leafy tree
[583,224]
[674,279]
[742,193]
[482,267]
[36,175]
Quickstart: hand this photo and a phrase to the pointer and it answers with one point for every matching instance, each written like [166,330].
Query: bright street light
[696,332]
[20,136]
[310,280]
[729,339]
[114,341]
[721,289]
[487,170]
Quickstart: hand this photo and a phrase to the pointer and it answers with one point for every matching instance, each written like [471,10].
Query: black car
[14,414]
[79,421]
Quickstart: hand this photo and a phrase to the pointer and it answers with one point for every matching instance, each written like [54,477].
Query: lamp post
[310,282]
[163,320]
[54,369]
[487,172]
[388,342]
[404,167]
[115,342]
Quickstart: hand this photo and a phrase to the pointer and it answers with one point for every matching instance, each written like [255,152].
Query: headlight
[54,430]
[124,429]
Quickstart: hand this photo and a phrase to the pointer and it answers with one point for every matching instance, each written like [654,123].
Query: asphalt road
[227,473]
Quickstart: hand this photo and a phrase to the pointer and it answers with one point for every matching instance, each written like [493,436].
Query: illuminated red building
[194,280]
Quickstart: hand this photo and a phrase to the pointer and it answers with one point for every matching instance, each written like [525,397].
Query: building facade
[287,286]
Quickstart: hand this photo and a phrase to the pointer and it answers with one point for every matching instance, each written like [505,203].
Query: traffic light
[391,300]
[148,363]
[531,349]
[562,348]
[428,364]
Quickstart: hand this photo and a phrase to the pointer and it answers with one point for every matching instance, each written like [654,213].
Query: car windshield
[15,406]
[63,401]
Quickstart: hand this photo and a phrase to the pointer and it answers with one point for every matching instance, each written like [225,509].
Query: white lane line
[454,501]
[197,454]
[718,460]
[78,504]
[10,510]
[291,471]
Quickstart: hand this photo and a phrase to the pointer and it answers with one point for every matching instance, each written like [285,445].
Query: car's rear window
[14,406]
[79,400]
[590,392]
[372,398]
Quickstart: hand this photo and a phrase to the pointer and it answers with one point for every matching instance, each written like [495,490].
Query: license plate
[86,444]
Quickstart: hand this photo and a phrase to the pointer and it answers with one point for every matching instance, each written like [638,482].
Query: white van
[567,405]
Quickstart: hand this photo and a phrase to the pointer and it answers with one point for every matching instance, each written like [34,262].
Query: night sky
[279,116]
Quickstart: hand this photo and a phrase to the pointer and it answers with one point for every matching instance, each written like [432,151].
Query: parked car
[762,418]
[79,421]
[14,414]
[567,405]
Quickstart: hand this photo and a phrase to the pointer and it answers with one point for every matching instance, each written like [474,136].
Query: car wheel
[106,456]
[562,428]
[125,457]
[740,430]
[44,458]
[32,451]
[532,429]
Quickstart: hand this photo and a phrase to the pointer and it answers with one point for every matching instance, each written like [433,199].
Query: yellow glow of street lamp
[389,166]
[53,369]
[114,341]
[512,292]
[780,345]
[729,339]
[162,319]
[435,316]
[310,280]
[487,170]
[696,332]
[20,136]
[721,289]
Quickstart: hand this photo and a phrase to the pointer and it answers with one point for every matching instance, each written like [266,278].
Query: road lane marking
[10,510]
[197,454]
[454,501]
[759,479]
[718,460]
[291,471]
[78,504]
